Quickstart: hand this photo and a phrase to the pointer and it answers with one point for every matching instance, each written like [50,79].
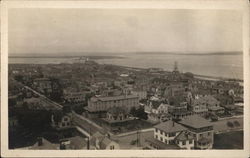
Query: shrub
[230,124]
[236,123]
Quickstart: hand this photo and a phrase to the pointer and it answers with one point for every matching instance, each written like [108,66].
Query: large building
[201,130]
[171,133]
[97,105]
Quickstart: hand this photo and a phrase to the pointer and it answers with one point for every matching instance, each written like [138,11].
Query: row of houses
[161,110]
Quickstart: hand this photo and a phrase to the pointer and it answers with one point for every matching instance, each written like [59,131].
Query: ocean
[219,65]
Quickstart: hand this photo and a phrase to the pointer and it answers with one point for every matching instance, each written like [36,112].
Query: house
[170,132]
[201,130]
[201,105]
[76,142]
[185,140]
[157,111]
[75,97]
[103,142]
[61,120]
[117,115]
[179,110]
[174,90]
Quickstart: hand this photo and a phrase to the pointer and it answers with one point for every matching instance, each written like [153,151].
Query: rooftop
[184,136]
[170,126]
[121,97]
[195,121]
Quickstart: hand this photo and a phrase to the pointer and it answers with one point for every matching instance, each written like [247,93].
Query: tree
[133,111]
[236,123]
[140,113]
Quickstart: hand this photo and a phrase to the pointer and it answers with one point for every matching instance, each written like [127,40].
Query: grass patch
[230,140]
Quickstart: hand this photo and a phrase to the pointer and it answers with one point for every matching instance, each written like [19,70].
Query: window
[184,143]
[63,124]
[156,136]
[208,133]
[112,147]
[161,139]
[161,132]
[156,130]
[171,134]
[201,135]
[166,141]
[190,141]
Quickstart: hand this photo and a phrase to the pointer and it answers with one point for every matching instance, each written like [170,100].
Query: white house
[173,133]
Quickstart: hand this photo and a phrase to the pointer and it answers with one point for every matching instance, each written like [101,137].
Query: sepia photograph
[92,78]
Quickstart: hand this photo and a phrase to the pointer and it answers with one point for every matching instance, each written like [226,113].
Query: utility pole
[138,138]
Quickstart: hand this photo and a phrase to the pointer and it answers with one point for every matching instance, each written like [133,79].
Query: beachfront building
[201,130]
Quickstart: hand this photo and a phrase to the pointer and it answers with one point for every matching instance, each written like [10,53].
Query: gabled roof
[155,104]
[105,142]
[195,121]
[170,126]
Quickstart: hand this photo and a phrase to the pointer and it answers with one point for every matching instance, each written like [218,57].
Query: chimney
[39,141]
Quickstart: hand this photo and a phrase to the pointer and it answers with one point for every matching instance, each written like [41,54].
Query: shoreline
[197,76]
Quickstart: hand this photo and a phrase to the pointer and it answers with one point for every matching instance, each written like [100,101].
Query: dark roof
[195,121]
[170,126]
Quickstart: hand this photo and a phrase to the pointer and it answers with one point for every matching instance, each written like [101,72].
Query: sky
[53,31]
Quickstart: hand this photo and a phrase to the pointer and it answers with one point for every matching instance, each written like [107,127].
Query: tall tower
[175,66]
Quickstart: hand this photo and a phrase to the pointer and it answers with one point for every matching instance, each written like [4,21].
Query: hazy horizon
[102,31]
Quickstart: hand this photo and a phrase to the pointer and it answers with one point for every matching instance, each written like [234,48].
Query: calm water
[212,65]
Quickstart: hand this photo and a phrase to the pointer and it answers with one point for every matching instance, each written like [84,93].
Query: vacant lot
[230,140]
